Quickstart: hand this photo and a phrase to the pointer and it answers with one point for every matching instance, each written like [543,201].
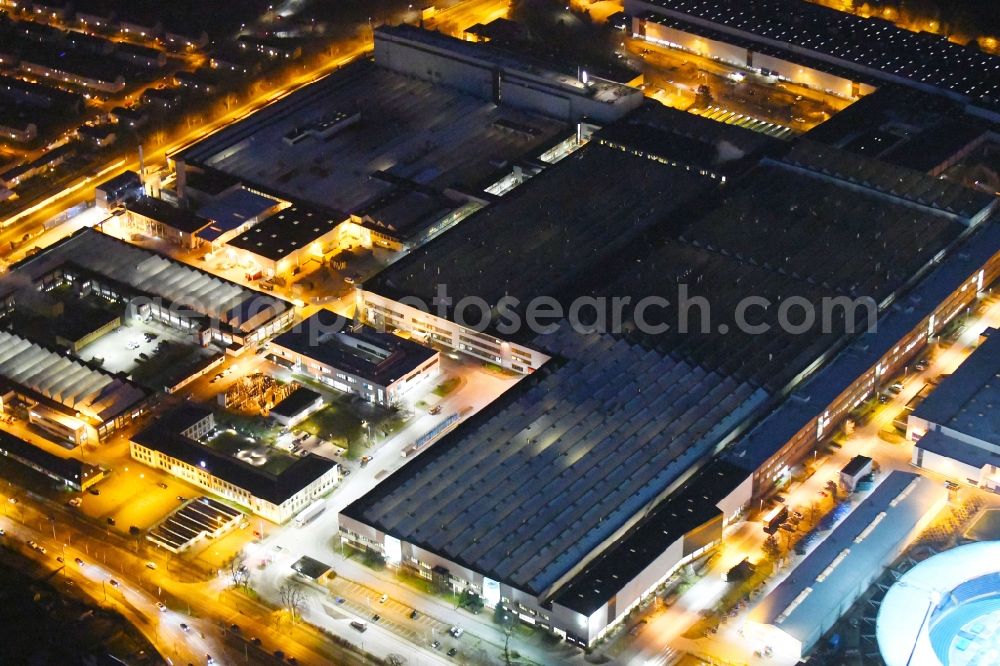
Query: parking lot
[152,354]
[395,616]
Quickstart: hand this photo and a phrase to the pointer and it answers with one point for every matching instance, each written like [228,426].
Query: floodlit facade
[171,444]
[356,359]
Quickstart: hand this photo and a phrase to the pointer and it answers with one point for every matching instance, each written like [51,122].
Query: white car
[384,598]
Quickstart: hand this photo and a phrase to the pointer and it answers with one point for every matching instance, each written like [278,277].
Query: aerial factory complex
[648,332]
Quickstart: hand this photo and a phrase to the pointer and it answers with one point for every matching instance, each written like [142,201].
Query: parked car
[452,652]
[114,583]
[151,565]
[384,598]
[896,388]
[436,645]
[359,626]
[79,562]
[161,606]
[75,502]
[456,631]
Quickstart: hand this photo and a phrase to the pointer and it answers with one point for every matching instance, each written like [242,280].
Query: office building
[354,358]
[276,489]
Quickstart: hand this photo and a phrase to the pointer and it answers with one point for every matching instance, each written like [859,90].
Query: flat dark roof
[124,180]
[231,210]
[300,399]
[181,219]
[855,465]
[70,469]
[287,231]
[531,486]
[968,400]
[687,510]
[545,234]
[331,339]
[792,25]
[80,319]
[274,488]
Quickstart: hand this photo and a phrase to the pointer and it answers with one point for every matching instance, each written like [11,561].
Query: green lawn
[446,387]
[336,423]
[340,422]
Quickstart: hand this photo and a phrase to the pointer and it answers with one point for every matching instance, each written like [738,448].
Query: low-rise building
[142,56]
[233,213]
[71,472]
[806,604]
[955,430]
[99,136]
[156,218]
[355,359]
[285,241]
[272,48]
[38,95]
[856,469]
[115,191]
[17,128]
[78,69]
[297,407]
[171,444]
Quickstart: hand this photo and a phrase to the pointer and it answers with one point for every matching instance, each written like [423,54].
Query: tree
[771,548]
[292,599]
[470,600]
[507,620]
[239,573]
[395,660]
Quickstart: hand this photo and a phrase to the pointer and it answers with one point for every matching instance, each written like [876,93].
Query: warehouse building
[413,142]
[152,286]
[954,428]
[71,400]
[871,49]
[805,605]
[156,218]
[287,241]
[354,358]
[913,250]
[489,73]
[70,472]
[539,463]
[173,444]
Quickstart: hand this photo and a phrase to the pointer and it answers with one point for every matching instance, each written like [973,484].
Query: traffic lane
[138,605]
